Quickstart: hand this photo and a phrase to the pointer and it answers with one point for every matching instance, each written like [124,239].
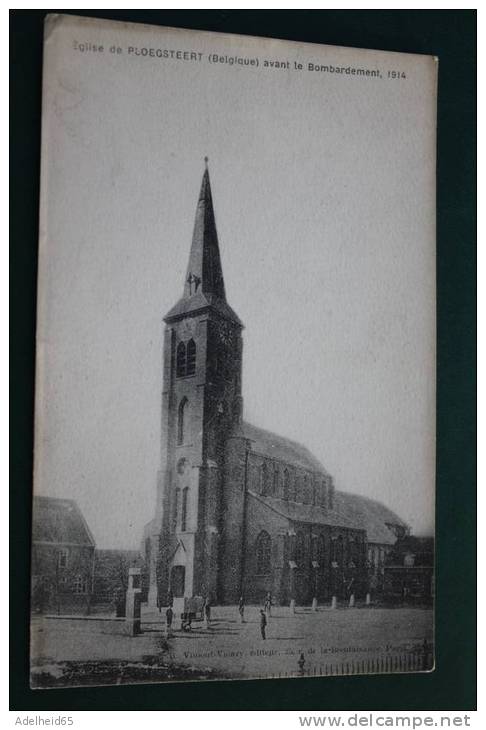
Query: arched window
[295,487]
[275,481]
[321,550]
[300,549]
[334,550]
[286,484]
[185,496]
[191,358]
[80,584]
[315,548]
[330,495]
[351,550]
[181,360]
[307,489]
[255,477]
[264,478]
[324,501]
[263,553]
[337,550]
[181,417]
[299,491]
[340,550]
[177,498]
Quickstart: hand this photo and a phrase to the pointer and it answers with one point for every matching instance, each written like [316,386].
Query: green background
[451,35]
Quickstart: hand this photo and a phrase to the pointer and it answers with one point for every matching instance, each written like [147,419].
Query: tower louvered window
[181,360]
[185,359]
[191,358]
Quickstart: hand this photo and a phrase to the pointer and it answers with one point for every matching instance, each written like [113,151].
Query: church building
[241,511]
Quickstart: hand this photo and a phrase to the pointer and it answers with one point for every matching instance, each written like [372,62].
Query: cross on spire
[193,279]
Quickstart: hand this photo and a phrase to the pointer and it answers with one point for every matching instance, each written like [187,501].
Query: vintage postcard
[235,391]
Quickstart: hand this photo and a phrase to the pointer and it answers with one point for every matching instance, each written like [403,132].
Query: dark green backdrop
[451,35]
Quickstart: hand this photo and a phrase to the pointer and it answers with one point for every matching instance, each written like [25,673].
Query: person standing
[169,615]
[207,611]
[241,609]
[268,604]
[263,623]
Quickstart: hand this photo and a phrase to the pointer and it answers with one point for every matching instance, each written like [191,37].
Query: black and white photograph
[234,466]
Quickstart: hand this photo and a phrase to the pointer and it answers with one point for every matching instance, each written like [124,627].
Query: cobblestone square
[353,640]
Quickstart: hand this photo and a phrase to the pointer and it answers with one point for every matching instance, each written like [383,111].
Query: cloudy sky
[323,187]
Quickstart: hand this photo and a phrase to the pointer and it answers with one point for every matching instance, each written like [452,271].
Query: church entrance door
[178,580]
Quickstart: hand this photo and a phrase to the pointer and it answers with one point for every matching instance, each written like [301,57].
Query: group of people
[265,613]
[186,621]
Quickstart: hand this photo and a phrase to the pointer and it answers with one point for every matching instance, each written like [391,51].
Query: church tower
[201,405]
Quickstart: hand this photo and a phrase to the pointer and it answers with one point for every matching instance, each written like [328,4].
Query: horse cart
[191,611]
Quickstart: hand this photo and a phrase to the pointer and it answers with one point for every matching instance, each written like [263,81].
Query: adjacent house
[63,556]
[409,572]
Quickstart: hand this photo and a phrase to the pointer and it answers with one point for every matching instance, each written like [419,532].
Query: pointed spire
[204,272]
[204,284]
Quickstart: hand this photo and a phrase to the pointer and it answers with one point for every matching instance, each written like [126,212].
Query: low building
[383,528]
[409,572]
[63,551]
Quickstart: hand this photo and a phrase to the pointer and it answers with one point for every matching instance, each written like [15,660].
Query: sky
[324,194]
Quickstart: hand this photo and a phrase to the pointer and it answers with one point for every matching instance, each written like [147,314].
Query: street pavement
[322,642]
